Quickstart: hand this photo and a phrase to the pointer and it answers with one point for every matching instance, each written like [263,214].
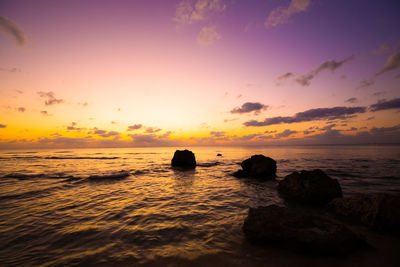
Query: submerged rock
[310,187]
[184,158]
[258,166]
[300,230]
[380,212]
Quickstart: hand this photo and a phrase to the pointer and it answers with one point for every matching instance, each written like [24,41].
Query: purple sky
[198,72]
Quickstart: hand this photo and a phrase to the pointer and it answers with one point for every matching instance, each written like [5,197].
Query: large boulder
[258,166]
[310,187]
[300,230]
[184,159]
[380,212]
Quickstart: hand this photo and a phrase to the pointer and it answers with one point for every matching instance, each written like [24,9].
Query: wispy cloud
[13,29]
[331,65]
[189,11]
[366,83]
[305,79]
[218,133]
[73,127]
[250,107]
[152,130]
[12,70]
[282,15]
[208,36]
[21,109]
[45,113]
[392,63]
[51,99]
[387,48]
[310,115]
[3,126]
[352,100]
[285,133]
[281,79]
[134,127]
[385,105]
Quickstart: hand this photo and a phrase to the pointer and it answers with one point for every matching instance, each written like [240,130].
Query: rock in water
[380,212]
[258,166]
[184,158]
[310,187]
[300,230]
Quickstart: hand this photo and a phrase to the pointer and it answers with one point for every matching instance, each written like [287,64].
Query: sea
[128,207]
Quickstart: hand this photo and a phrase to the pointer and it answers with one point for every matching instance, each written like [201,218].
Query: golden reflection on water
[159,213]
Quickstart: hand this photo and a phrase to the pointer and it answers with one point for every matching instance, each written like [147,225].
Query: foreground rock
[184,159]
[310,187]
[258,166]
[300,231]
[380,212]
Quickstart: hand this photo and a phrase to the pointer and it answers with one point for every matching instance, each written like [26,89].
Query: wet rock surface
[310,187]
[184,159]
[380,212]
[258,166]
[300,230]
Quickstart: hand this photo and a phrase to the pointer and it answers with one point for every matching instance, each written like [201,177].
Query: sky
[198,72]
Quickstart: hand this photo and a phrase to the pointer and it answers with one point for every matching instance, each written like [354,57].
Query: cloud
[134,127]
[366,83]
[229,120]
[208,36]
[189,11]
[73,128]
[12,70]
[51,100]
[379,93]
[218,133]
[352,100]
[281,15]
[21,109]
[83,104]
[281,79]
[104,133]
[3,126]
[384,105]
[13,29]
[392,63]
[305,79]
[249,107]
[154,140]
[285,133]
[45,113]
[310,115]
[152,130]
[386,48]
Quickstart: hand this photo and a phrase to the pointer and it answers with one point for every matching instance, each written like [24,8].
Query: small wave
[81,157]
[210,164]
[112,176]
[56,157]
[21,176]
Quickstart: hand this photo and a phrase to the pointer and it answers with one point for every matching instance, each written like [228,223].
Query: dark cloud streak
[310,115]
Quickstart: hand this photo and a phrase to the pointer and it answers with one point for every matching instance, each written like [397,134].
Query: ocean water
[128,207]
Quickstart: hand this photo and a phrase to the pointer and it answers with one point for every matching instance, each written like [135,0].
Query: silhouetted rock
[380,212]
[219,155]
[300,230]
[184,158]
[258,166]
[310,187]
